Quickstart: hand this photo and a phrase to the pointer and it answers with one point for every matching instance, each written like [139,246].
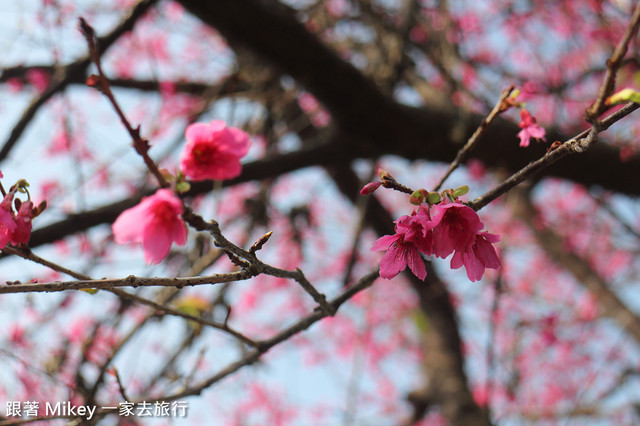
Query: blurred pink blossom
[213,151]
[38,78]
[529,128]
[155,223]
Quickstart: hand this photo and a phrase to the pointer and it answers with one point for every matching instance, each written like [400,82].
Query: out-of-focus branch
[584,274]
[73,71]
[158,307]
[323,153]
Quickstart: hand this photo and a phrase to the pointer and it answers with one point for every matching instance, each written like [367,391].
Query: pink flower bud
[370,187]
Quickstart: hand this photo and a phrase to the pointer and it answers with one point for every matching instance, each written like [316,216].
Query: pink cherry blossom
[399,255]
[529,128]
[23,220]
[412,237]
[155,223]
[213,151]
[39,78]
[417,229]
[477,256]
[7,225]
[454,227]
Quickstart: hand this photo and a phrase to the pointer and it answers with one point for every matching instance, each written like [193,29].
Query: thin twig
[577,144]
[130,281]
[251,357]
[256,265]
[462,153]
[29,255]
[120,385]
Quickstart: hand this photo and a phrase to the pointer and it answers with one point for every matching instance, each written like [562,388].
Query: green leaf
[417,197]
[183,187]
[459,192]
[434,198]
[624,95]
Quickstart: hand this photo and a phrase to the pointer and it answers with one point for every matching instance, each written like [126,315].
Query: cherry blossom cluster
[15,226]
[439,226]
[213,151]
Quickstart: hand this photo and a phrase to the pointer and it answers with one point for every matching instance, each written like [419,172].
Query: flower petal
[156,242]
[416,264]
[393,261]
[129,225]
[384,242]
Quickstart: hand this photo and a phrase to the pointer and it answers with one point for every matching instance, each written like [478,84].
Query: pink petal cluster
[22,232]
[449,228]
[15,228]
[7,224]
[213,151]
[155,223]
[529,128]
[404,248]
[455,227]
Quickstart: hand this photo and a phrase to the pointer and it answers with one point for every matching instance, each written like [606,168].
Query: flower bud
[434,198]
[418,196]
[370,187]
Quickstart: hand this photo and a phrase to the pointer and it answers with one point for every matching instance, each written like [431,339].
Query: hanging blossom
[213,151]
[7,224]
[529,128]
[450,227]
[155,223]
[15,228]
[455,227]
[23,219]
[477,256]
[404,247]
